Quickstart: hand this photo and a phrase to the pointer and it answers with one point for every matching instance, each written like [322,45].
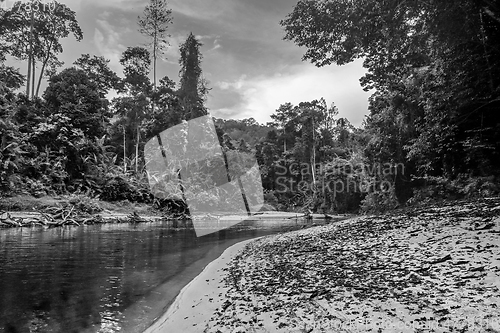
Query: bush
[115,189]
[379,202]
[270,198]
[85,204]
[36,188]
[480,187]
[120,188]
[440,188]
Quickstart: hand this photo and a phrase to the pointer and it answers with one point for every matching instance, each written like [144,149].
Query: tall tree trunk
[40,79]
[33,74]
[124,151]
[44,64]
[313,157]
[28,77]
[154,73]
[155,41]
[30,55]
[154,80]
[137,149]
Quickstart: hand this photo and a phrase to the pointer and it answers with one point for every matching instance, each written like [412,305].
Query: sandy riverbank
[434,269]
[198,300]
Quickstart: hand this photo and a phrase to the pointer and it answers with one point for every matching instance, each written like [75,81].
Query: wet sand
[199,299]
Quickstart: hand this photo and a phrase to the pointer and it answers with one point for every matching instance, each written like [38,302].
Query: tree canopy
[193,88]
[154,24]
[435,66]
[33,32]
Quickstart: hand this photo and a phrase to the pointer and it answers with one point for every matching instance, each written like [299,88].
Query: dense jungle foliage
[433,129]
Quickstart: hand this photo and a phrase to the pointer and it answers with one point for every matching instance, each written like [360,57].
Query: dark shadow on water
[109,277]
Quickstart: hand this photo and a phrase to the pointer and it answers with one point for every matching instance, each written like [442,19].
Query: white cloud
[215,46]
[236,85]
[206,37]
[107,41]
[213,40]
[75,5]
[126,5]
[172,51]
[203,9]
[262,95]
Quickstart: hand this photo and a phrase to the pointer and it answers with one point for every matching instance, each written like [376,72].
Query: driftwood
[62,216]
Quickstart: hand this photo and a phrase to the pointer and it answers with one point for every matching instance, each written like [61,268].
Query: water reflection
[104,278]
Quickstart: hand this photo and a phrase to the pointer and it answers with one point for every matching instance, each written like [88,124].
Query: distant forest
[432,132]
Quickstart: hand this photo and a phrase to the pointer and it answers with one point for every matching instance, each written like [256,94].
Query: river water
[107,277]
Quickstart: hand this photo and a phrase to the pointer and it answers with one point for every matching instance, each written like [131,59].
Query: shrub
[85,204]
[440,188]
[115,189]
[379,202]
[121,187]
[270,198]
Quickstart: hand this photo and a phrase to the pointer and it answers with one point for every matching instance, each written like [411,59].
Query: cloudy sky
[250,68]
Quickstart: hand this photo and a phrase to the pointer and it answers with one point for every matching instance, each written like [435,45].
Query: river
[106,277]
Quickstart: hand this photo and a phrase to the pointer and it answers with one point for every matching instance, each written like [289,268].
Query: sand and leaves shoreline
[434,268]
